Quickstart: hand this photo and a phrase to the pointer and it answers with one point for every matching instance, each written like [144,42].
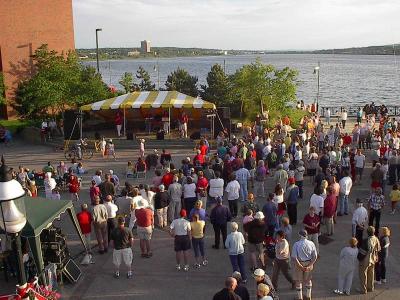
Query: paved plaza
[156,278]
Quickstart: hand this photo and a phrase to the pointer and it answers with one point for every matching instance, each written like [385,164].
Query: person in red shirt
[383,149]
[199,157]
[330,206]
[85,223]
[94,191]
[203,148]
[73,186]
[202,185]
[145,225]
[118,122]
[311,223]
[168,178]
[346,139]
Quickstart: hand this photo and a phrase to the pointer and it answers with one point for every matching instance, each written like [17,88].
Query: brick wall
[24,26]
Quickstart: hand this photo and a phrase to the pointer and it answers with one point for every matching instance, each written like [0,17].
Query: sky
[238,24]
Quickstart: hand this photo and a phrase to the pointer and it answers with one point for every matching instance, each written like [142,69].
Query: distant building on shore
[133,53]
[25,26]
[145,46]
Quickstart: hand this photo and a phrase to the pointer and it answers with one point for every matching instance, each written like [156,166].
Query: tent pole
[169,121]
[124,122]
[36,249]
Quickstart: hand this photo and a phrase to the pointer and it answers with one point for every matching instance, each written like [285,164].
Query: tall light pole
[12,220]
[97,48]
[157,69]
[316,71]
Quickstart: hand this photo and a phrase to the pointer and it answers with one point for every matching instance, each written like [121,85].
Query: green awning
[40,213]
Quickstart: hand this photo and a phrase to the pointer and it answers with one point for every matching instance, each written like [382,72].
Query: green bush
[16,125]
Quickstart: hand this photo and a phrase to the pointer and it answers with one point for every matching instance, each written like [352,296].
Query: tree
[2,89]
[181,81]
[145,83]
[217,88]
[127,82]
[60,81]
[263,87]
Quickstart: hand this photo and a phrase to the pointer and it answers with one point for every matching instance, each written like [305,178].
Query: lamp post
[157,69]
[316,71]
[12,220]
[97,49]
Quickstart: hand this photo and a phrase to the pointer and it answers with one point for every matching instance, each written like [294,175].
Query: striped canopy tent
[153,99]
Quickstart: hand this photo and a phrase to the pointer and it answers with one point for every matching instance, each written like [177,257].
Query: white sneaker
[392,212]
[178,267]
[337,292]
[186,268]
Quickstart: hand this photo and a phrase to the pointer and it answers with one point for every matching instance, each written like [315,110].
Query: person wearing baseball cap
[255,230]
[180,229]
[304,256]
[261,278]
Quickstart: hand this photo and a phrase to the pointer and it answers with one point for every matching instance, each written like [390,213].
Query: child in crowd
[32,188]
[248,217]
[80,170]
[55,194]
[130,170]
[394,197]
[110,149]
[103,145]
[141,148]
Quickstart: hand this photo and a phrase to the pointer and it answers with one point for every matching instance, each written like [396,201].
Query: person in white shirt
[234,243]
[216,189]
[344,118]
[317,200]
[189,194]
[181,231]
[347,264]
[359,221]
[233,189]
[49,185]
[345,187]
[112,216]
[359,159]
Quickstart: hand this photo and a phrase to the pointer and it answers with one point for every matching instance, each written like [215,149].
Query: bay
[345,80]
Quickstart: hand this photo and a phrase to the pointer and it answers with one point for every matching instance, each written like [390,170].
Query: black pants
[359,235]
[380,269]
[111,224]
[300,185]
[392,174]
[292,213]
[375,215]
[343,123]
[218,230]
[233,207]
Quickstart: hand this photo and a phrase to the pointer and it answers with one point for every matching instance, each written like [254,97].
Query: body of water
[344,79]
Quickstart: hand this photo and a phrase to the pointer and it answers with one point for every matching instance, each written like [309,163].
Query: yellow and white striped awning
[153,99]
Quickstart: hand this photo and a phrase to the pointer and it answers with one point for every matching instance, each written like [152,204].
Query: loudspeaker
[70,117]
[72,271]
[195,135]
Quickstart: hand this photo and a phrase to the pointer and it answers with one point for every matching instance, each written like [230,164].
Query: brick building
[24,26]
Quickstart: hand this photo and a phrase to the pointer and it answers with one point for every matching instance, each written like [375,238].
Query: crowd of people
[184,200]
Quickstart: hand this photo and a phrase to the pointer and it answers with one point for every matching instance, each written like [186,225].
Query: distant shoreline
[229,55]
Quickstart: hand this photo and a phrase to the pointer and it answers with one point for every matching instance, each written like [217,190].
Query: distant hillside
[371,50]
[123,53]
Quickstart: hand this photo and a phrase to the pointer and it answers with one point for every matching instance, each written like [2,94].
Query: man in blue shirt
[270,209]
[243,176]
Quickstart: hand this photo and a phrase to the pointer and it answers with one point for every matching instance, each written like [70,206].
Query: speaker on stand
[72,125]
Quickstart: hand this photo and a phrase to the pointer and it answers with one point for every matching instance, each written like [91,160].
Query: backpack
[363,250]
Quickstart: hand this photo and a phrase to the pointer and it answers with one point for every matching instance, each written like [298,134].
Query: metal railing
[352,110]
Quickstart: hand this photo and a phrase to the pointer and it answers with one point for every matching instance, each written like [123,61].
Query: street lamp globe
[11,218]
